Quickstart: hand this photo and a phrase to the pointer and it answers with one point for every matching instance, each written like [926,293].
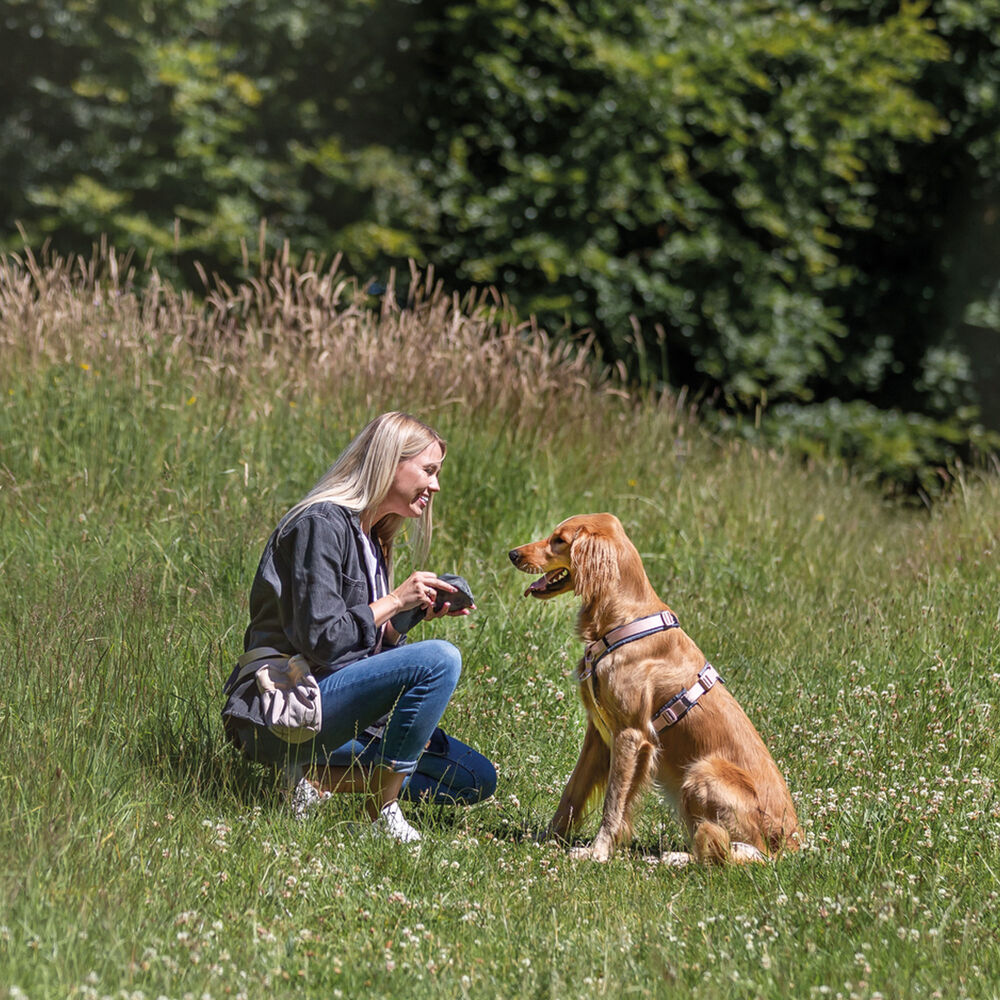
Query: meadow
[148,444]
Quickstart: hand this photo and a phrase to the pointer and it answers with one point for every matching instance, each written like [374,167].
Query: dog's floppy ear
[594,556]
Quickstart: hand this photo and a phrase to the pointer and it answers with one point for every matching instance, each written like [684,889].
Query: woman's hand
[442,589]
[420,589]
[446,610]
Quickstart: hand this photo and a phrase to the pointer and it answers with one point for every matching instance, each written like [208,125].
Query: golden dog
[655,709]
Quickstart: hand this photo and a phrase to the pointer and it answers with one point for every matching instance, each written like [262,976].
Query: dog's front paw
[585,854]
[592,852]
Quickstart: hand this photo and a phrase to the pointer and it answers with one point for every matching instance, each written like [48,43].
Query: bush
[910,455]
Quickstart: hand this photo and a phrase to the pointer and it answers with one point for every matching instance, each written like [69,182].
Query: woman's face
[415,482]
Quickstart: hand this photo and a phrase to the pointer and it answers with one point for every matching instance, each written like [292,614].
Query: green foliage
[690,166]
[934,242]
[911,456]
[754,199]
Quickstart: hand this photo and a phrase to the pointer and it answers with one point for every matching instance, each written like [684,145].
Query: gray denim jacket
[311,593]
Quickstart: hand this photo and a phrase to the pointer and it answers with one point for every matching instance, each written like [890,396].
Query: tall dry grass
[306,327]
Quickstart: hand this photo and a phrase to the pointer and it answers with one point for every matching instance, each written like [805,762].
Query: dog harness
[682,702]
[637,629]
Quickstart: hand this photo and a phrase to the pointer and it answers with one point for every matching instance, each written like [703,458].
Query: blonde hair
[362,475]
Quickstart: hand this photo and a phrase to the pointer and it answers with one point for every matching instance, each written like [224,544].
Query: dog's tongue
[540,584]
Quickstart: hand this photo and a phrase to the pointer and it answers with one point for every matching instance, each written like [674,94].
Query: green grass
[145,454]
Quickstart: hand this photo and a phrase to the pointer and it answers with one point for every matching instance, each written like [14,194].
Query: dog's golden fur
[712,764]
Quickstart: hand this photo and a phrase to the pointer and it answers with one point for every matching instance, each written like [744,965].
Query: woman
[324,589]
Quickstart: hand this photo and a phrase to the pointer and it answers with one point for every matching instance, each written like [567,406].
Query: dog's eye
[557,541]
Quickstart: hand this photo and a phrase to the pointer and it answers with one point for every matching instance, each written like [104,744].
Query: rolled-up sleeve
[325,610]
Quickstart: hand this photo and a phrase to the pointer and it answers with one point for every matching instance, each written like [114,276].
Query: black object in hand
[461,598]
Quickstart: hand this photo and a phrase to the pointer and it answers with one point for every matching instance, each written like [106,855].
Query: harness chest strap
[637,629]
[682,703]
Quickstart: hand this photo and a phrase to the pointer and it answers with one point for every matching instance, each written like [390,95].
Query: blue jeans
[449,772]
[412,685]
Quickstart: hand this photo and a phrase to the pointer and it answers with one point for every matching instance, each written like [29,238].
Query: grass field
[147,447]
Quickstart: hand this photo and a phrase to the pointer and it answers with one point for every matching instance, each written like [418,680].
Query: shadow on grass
[197,758]
[491,824]
[206,766]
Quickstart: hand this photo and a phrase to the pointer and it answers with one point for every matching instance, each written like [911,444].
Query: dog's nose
[515,556]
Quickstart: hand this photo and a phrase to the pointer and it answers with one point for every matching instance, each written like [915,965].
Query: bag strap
[247,662]
[262,653]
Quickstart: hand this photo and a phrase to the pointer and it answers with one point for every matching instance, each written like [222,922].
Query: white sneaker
[391,823]
[305,798]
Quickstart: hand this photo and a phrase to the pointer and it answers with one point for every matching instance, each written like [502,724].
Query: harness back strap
[679,706]
[637,629]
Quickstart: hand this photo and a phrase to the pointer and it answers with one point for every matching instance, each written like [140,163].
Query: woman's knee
[456,773]
[442,658]
[485,783]
[447,782]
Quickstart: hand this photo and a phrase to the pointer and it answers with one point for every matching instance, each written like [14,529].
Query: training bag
[277,691]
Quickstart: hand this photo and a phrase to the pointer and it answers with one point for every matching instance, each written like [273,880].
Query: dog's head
[582,555]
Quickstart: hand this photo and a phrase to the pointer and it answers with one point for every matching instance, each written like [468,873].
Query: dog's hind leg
[588,778]
[719,806]
[711,843]
[631,763]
